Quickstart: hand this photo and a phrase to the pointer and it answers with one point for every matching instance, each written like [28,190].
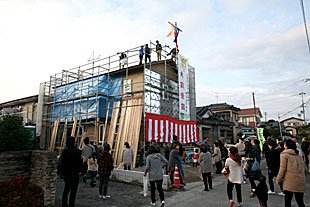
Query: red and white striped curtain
[162,128]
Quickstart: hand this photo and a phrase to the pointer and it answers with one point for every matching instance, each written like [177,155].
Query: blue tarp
[92,106]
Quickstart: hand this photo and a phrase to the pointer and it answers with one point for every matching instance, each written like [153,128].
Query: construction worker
[141,53]
[158,50]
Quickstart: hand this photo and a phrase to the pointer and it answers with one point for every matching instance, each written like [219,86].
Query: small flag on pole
[174,31]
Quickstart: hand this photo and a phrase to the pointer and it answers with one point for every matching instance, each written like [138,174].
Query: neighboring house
[292,124]
[24,107]
[229,113]
[247,117]
[214,126]
[247,130]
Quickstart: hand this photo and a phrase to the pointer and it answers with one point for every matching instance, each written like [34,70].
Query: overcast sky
[237,46]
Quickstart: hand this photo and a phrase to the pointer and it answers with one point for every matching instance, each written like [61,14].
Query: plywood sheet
[136,132]
[119,133]
[113,123]
[124,133]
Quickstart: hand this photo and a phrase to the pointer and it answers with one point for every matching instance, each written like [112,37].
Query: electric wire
[305,22]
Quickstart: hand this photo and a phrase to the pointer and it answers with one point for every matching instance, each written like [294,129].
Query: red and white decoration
[162,128]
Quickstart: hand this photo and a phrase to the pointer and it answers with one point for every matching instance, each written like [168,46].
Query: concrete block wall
[135,177]
[14,163]
[38,166]
[43,165]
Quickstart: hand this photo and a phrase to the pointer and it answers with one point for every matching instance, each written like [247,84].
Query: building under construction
[108,100]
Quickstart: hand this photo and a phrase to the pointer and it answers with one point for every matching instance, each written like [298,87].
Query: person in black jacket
[305,150]
[147,53]
[261,191]
[273,164]
[175,141]
[158,50]
[71,166]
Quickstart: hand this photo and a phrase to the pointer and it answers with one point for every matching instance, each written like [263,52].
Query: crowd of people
[287,163]
[284,163]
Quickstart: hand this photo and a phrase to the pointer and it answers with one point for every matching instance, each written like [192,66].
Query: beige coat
[292,171]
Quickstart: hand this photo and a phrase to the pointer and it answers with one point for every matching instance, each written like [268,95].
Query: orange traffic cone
[176,183]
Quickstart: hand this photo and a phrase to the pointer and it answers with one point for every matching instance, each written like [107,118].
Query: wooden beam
[97,130]
[81,140]
[78,130]
[105,123]
[64,135]
[74,128]
[54,136]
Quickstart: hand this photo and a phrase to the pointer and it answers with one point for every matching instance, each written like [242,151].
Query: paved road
[194,196]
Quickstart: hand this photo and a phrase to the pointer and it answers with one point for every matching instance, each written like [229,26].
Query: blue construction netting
[78,103]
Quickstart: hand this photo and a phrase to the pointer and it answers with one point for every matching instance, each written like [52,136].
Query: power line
[305,22]
[272,93]
[286,113]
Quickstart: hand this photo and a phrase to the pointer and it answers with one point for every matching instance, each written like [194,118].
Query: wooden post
[64,135]
[74,128]
[105,123]
[97,131]
[54,136]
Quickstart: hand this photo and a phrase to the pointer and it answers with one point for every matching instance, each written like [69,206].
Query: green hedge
[13,135]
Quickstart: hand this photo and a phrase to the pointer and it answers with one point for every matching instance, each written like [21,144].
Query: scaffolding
[85,100]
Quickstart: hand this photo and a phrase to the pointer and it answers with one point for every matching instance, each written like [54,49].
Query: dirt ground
[122,194]
[192,174]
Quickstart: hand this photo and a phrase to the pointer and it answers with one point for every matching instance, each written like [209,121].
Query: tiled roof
[250,111]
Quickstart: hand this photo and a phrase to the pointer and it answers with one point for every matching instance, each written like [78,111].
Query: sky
[236,46]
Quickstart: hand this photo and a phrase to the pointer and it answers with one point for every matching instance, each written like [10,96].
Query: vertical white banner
[184,112]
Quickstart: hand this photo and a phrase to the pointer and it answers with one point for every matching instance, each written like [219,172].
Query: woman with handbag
[154,167]
[253,171]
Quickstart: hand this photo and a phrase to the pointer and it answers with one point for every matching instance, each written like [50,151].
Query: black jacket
[158,47]
[71,161]
[274,162]
[305,147]
[181,147]
[261,191]
[147,50]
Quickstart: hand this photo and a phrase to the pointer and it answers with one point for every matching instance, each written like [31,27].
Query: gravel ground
[122,194]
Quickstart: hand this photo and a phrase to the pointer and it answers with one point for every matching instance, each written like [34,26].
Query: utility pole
[255,130]
[303,105]
[265,116]
[254,109]
[280,128]
[217,96]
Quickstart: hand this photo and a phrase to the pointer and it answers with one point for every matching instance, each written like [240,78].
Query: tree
[13,136]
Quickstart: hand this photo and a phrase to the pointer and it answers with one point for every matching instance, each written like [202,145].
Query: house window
[101,128]
[246,121]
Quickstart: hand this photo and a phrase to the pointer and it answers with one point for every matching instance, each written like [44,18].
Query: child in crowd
[92,168]
[184,157]
[195,157]
[261,191]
